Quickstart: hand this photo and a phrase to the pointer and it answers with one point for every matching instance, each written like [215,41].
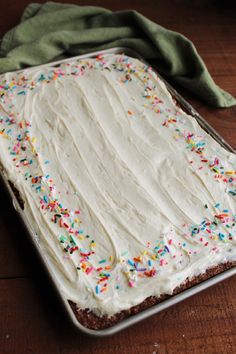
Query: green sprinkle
[62,238]
[102,261]
[72,240]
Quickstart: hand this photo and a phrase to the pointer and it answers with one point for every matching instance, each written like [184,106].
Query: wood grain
[31,320]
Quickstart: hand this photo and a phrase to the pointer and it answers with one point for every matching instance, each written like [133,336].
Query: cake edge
[90,320]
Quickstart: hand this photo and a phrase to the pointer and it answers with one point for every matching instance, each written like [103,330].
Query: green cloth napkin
[50,31]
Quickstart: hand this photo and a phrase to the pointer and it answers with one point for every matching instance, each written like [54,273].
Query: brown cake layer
[17,195]
[13,187]
[90,320]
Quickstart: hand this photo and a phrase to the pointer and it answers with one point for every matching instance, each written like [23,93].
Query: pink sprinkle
[89,270]
[131,283]
[162,262]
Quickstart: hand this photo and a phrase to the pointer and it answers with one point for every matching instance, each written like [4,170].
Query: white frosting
[105,132]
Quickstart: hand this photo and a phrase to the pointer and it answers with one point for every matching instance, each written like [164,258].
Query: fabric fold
[51,31]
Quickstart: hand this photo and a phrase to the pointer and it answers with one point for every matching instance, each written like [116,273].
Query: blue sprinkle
[45,198]
[221,236]
[97,289]
[167,248]
[150,263]
[130,262]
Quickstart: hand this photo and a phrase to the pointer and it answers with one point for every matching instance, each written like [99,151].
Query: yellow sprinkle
[144,252]
[4,135]
[81,237]
[111,258]
[153,256]
[230,172]
[33,140]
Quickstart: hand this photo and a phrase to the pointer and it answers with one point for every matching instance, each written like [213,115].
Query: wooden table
[30,320]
